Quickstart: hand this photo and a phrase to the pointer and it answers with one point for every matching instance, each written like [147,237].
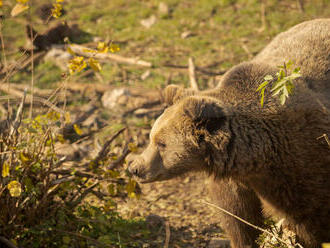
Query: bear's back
[307,45]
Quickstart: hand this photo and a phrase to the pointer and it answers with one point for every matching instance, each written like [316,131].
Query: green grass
[217,27]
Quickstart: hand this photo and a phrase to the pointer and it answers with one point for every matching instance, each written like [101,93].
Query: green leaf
[277,91]
[296,70]
[282,99]
[281,75]
[289,64]
[262,93]
[263,85]
[268,78]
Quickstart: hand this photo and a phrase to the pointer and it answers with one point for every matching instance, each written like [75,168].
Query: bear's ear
[174,93]
[205,112]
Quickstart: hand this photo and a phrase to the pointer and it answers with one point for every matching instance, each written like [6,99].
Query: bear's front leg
[242,202]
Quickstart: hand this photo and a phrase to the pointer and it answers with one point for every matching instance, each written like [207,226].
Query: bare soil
[177,203]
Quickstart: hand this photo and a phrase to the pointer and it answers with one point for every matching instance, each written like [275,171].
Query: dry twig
[263,17]
[192,75]
[167,233]
[18,119]
[16,93]
[326,139]
[251,225]
[81,50]
[105,149]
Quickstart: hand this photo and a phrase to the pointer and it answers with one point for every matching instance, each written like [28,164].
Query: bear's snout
[135,166]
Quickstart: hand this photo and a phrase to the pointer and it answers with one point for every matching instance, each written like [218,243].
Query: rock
[163,9]
[219,243]
[114,98]
[147,23]
[186,34]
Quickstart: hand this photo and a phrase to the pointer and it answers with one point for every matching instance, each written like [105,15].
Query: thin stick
[121,159]
[192,75]
[105,147]
[81,50]
[17,121]
[32,70]
[249,224]
[300,4]
[263,16]
[19,94]
[325,137]
[167,233]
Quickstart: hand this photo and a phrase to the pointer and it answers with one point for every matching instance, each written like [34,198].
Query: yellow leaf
[18,8]
[14,188]
[130,187]
[77,64]
[102,47]
[0,3]
[114,48]
[5,170]
[60,138]
[67,117]
[25,158]
[57,10]
[326,245]
[22,1]
[77,129]
[132,147]
[59,1]
[94,64]
[70,51]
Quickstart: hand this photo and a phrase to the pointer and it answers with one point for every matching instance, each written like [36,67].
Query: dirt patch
[177,202]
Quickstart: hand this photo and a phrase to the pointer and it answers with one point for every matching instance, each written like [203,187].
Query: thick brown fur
[266,158]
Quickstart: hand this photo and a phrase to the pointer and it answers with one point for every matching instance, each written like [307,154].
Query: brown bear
[262,160]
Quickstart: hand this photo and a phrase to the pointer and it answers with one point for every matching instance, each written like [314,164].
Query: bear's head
[186,137]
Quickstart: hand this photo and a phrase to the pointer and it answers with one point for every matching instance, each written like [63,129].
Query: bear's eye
[161,145]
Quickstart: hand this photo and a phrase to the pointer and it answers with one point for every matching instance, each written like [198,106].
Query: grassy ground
[221,33]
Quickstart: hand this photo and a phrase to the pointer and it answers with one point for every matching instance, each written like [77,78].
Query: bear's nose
[133,165]
[133,170]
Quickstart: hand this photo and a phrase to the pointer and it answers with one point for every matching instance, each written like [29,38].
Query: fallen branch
[251,225]
[81,50]
[16,93]
[192,75]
